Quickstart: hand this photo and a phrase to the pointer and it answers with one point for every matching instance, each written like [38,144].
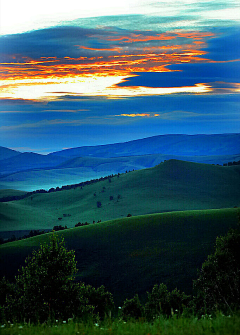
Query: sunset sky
[76,73]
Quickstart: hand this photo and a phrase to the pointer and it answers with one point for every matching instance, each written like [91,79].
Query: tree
[218,285]
[44,287]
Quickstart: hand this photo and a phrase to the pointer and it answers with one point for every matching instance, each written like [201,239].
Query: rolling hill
[170,186]
[130,255]
[76,170]
[30,171]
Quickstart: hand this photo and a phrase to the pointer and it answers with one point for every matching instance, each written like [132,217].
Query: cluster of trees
[231,163]
[45,288]
[80,224]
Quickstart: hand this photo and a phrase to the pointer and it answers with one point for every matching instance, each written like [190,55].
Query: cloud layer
[97,80]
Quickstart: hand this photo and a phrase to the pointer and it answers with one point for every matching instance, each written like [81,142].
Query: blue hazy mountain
[183,145]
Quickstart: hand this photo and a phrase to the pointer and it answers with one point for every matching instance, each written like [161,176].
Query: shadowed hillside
[130,255]
[171,186]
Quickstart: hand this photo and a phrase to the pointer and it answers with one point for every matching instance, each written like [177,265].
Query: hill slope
[171,186]
[130,255]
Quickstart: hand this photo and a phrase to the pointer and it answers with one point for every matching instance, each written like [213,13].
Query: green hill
[171,186]
[130,255]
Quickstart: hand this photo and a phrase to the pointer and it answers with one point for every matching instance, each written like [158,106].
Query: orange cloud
[116,61]
[141,38]
[118,49]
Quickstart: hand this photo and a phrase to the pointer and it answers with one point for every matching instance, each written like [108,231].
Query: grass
[220,325]
[130,255]
[170,186]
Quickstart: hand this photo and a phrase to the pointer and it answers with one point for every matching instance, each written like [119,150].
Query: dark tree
[218,285]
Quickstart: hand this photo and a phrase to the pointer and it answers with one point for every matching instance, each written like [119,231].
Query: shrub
[162,302]
[132,309]
[100,299]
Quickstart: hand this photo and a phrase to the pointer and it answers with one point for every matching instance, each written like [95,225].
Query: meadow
[220,325]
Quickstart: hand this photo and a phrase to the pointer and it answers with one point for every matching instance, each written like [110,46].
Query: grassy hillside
[130,255]
[170,186]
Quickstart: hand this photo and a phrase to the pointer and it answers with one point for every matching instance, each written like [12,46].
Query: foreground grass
[172,326]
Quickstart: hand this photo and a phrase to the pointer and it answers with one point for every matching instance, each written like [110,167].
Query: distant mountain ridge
[6,153]
[184,145]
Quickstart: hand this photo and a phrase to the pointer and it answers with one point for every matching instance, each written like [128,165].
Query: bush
[162,302]
[100,300]
[132,309]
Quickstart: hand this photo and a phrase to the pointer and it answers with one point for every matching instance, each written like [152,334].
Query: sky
[76,73]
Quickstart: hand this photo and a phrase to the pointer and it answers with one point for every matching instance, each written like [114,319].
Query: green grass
[170,186]
[130,255]
[221,325]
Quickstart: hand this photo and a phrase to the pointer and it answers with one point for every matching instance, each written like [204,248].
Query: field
[220,325]
[132,254]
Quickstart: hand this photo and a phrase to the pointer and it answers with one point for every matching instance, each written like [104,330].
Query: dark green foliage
[218,285]
[45,290]
[6,289]
[132,309]
[162,302]
[100,299]
[44,286]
